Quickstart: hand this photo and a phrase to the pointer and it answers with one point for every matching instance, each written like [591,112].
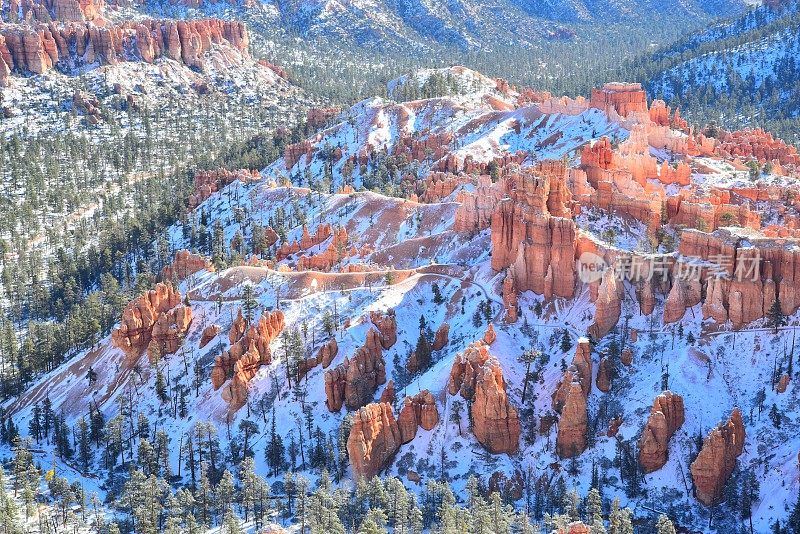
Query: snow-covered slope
[403,255]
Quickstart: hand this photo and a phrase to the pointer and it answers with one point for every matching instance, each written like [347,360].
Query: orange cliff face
[353,382]
[478,377]
[717,459]
[28,11]
[623,98]
[249,350]
[37,49]
[160,306]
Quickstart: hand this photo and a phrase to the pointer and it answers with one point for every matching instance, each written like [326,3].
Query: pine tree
[566,341]
[85,451]
[776,317]
[275,450]
[664,525]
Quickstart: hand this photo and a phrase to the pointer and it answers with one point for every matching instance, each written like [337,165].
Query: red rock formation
[474,212]
[292,153]
[441,337]
[524,234]
[354,382]
[58,10]
[207,183]
[168,331]
[319,260]
[782,384]
[184,265]
[387,327]
[317,117]
[418,410]
[209,333]
[327,352]
[666,417]
[135,330]
[753,268]
[510,301]
[573,423]
[757,144]
[388,393]
[489,336]
[88,105]
[623,98]
[249,350]
[374,439]
[604,375]
[717,459]
[480,378]
[38,49]
[579,371]
[607,305]
[627,357]
[576,527]
[613,426]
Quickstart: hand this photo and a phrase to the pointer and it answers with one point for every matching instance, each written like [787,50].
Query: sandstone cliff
[140,315]
[354,382]
[249,350]
[717,459]
[479,378]
[374,439]
[666,417]
[418,411]
[37,49]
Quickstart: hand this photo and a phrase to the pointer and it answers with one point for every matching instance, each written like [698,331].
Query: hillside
[412,291]
[741,72]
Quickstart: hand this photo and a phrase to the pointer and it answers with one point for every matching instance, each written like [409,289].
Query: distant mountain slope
[739,73]
[347,51]
[466,24]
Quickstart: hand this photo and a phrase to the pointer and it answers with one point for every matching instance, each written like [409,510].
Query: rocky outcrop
[573,423]
[418,411]
[37,49]
[386,323]
[440,339]
[318,117]
[388,394]
[184,265]
[623,98]
[540,247]
[478,377]
[475,209]
[249,350]
[140,315]
[580,371]
[373,441]
[312,258]
[32,11]
[510,300]
[168,331]
[88,105]
[209,333]
[607,305]
[354,382]
[206,183]
[328,352]
[489,336]
[741,273]
[717,459]
[604,374]
[757,144]
[666,416]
